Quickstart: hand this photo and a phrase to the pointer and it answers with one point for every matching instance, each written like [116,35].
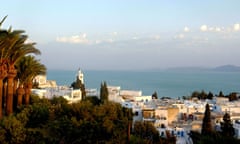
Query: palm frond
[28,68]
[2,21]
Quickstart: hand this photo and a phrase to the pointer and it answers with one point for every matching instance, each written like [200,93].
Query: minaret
[80,75]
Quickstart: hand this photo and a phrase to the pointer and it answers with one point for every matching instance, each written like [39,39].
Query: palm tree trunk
[28,88]
[1,98]
[20,93]
[129,131]
[3,74]
[4,94]
[15,86]
[15,96]
[11,75]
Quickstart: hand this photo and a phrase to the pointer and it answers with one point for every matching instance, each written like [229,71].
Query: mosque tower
[80,75]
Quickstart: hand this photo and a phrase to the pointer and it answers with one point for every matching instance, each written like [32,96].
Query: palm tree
[3,72]
[13,47]
[19,50]
[28,68]
[7,40]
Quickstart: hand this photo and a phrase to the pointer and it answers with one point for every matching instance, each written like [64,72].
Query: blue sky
[129,34]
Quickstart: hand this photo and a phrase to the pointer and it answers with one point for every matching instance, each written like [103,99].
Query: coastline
[166,83]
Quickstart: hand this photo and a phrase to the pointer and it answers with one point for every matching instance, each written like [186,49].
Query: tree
[195,94]
[233,96]
[104,92]
[203,95]
[7,40]
[28,68]
[13,46]
[221,94]
[79,85]
[146,132]
[227,126]
[199,95]
[39,114]
[207,124]
[13,130]
[210,95]
[129,115]
[154,95]
[93,99]
[19,50]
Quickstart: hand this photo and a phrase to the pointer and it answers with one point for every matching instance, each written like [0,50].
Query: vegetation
[56,121]
[213,138]
[35,120]
[27,68]
[207,124]
[145,130]
[78,84]
[232,96]
[155,95]
[203,95]
[25,119]
[227,126]
[16,66]
[208,135]
[103,92]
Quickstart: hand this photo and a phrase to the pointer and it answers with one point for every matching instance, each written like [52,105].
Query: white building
[130,93]
[80,75]
[136,96]
[43,82]
[236,126]
[113,94]
[50,89]
[91,92]
[161,116]
[68,93]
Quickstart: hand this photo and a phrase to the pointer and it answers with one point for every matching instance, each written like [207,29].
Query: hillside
[223,68]
[227,68]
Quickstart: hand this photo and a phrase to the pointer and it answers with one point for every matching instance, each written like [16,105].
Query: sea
[172,84]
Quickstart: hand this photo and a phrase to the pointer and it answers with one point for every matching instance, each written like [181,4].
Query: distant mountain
[223,68]
[227,68]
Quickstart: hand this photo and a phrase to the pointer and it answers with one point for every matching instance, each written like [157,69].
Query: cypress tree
[221,94]
[104,92]
[206,124]
[227,126]
[154,95]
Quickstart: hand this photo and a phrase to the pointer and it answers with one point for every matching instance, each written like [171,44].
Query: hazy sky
[129,34]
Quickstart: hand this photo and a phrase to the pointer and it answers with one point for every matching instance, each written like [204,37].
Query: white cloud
[204,28]
[218,29]
[186,29]
[134,38]
[114,33]
[84,35]
[236,27]
[179,36]
[82,39]
[226,29]
[212,29]
[110,40]
[98,41]
[156,37]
